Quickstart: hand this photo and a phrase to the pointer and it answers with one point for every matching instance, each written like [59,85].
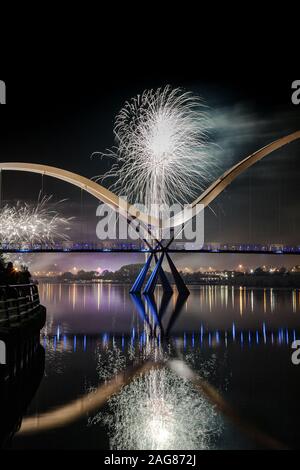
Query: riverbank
[269,281]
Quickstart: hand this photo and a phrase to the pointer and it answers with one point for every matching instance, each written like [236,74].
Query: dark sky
[62,120]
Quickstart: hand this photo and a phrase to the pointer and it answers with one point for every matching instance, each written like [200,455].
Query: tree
[67,276]
[259,272]
[282,270]
[2,262]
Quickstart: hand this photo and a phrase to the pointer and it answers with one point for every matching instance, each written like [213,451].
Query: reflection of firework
[24,223]
[161,148]
[160,411]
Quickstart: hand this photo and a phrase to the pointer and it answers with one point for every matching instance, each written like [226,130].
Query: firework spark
[160,411]
[157,411]
[161,148]
[39,223]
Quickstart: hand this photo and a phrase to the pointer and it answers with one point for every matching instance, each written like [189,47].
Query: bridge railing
[139,246]
[18,302]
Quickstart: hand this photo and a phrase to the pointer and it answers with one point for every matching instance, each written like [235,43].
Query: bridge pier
[158,272]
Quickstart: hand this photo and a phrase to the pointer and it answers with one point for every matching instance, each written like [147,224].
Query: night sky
[61,122]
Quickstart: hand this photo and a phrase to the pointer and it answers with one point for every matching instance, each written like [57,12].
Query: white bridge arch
[129,211]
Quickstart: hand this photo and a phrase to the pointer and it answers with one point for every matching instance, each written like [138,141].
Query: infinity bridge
[153,225]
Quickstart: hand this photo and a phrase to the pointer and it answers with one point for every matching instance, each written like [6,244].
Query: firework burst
[161,148]
[26,223]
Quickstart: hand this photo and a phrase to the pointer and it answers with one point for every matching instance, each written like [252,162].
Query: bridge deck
[274,249]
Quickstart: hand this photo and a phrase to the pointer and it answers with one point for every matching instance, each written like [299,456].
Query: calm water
[235,344]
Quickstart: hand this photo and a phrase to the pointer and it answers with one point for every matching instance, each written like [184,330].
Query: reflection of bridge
[176,247]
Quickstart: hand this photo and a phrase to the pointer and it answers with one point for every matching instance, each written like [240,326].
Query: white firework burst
[26,223]
[161,148]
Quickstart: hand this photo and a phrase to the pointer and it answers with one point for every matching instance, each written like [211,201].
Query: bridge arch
[216,188]
[95,189]
[128,210]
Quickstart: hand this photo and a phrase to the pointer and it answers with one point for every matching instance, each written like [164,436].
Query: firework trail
[161,149]
[39,223]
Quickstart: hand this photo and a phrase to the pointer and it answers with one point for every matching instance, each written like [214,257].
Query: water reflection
[68,413]
[158,409]
[88,309]
[152,313]
[236,342]
[154,408]
[195,340]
